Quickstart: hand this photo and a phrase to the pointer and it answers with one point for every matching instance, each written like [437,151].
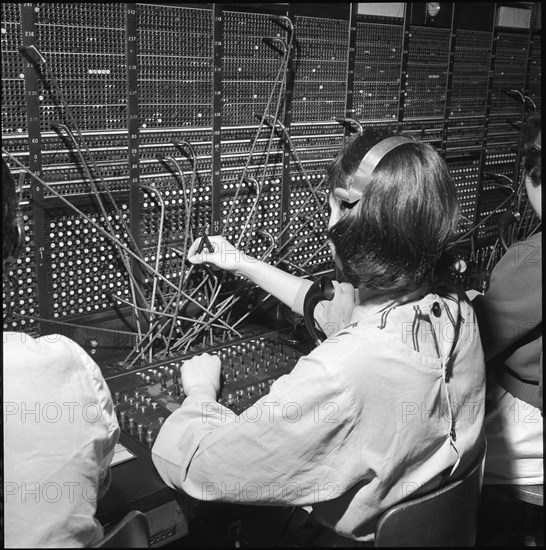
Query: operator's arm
[283,286]
[284,449]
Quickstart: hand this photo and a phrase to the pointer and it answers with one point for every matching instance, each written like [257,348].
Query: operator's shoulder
[524,254]
[53,350]
[349,345]
[49,343]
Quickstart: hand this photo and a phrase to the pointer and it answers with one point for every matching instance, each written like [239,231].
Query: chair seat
[131,532]
[445,517]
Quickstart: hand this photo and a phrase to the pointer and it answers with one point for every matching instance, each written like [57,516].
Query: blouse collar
[371,302]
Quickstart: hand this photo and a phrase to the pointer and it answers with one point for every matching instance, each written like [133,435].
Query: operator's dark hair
[395,238]
[532,148]
[9,211]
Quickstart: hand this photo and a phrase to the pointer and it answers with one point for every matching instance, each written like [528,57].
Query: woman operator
[391,404]
[60,429]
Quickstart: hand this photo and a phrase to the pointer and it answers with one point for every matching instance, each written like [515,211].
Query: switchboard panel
[144,126]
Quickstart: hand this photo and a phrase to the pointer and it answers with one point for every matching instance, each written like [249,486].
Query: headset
[323,288]
[364,173]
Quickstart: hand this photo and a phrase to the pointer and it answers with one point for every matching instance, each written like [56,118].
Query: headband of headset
[363,175]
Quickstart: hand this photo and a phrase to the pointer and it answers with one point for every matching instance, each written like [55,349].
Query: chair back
[446,517]
[131,532]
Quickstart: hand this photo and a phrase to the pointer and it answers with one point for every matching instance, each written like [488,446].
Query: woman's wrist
[204,389]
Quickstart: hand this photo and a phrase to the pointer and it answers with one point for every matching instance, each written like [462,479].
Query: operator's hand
[201,374]
[225,255]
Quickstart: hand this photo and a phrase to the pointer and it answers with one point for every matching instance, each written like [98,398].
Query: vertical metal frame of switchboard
[519,152]
[519,178]
[133,141]
[535,30]
[449,81]
[217,94]
[403,68]
[489,93]
[518,123]
[28,32]
[286,154]
[532,32]
[351,61]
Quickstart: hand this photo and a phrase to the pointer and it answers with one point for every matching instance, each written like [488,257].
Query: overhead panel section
[256,51]
[322,58]
[175,112]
